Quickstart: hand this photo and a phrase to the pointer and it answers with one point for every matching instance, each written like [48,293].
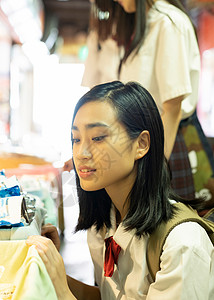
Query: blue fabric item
[13,191]
[2,172]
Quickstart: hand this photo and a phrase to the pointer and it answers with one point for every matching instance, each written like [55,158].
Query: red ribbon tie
[111,256]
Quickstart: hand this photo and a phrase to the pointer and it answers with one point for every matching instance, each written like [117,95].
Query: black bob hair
[149,197]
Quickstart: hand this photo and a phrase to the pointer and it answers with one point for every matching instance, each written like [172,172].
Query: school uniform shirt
[187,265]
[23,275]
[167,64]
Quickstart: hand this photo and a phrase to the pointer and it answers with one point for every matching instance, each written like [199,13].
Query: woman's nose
[84,152]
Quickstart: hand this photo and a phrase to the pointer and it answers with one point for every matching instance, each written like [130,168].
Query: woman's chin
[88,188]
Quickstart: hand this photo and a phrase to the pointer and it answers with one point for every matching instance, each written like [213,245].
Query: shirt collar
[121,236]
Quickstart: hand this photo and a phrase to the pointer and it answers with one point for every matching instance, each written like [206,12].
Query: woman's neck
[119,194]
[119,201]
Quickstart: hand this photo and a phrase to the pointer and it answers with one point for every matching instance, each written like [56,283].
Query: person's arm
[171,117]
[91,75]
[66,287]
[174,80]
[82,290]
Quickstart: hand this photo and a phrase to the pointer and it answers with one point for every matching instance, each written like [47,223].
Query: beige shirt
[167,64]
[187,265]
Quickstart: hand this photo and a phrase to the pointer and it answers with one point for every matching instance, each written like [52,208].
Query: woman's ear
[143,144]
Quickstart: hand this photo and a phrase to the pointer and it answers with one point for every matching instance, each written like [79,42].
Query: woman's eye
[74,141]
[99,138]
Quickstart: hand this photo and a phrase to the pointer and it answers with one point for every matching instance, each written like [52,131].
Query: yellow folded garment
[23,275]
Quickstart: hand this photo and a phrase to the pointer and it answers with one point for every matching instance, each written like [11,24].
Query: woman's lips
[85,172]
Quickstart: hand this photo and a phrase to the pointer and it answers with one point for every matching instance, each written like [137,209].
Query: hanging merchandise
[17,207]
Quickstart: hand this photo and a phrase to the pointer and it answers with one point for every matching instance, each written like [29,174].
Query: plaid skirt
[191,163]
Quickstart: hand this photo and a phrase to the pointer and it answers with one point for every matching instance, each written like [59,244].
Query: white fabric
[187,265]
[168,63]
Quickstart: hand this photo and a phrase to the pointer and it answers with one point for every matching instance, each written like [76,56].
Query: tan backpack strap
[157,239]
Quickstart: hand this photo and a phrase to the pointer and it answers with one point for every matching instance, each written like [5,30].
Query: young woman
[124,191]
[153,42]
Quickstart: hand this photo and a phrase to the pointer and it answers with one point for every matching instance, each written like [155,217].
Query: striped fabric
[192,163]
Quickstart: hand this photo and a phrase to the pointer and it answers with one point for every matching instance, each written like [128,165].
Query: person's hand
[68,165]
[53,263]
[50,231]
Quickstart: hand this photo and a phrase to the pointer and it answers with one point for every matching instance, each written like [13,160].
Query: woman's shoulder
[164,13]
[189,235]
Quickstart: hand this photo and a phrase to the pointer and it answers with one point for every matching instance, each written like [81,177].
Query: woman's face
[128,5]
[103,154]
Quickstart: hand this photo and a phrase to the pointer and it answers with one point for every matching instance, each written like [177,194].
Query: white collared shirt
[167,64]
[187,265]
